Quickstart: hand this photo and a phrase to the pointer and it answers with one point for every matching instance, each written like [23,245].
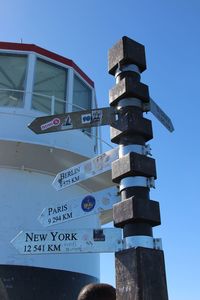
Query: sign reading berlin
[85,170]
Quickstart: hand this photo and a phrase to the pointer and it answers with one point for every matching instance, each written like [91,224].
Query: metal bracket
[126,68]
[146,107]
[140,149]
[142,241]
[136,181]
[129,102]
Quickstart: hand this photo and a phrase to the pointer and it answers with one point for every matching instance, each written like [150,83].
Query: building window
[12,79]
[49,83]
[82,95]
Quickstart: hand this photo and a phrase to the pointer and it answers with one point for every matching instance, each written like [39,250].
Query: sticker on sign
[54,122]
[85,170]
[80,207]
[93,117]
[68,241]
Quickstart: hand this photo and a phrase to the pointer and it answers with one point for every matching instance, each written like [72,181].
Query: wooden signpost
[140,268]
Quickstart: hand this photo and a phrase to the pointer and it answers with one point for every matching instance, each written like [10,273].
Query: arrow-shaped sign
[80,207]
[91,118]
[68,241]
[159,114]
[85,170]
[74,120]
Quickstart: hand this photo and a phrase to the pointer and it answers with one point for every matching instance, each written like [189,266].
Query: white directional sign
[85,170]
[160,115]
[80,207]
[68,241]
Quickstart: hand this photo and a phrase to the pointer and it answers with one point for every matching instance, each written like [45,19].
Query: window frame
[56,64]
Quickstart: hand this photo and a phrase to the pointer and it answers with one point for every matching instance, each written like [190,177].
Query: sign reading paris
[83,206]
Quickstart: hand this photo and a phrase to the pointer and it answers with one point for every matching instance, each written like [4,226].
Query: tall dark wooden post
[140,269]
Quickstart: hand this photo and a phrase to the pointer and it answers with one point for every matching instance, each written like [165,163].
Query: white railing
[52,99]
[52,106]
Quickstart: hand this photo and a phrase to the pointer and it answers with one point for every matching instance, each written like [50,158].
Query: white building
[36,82]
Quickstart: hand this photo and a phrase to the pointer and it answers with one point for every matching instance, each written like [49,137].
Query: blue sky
[84,30]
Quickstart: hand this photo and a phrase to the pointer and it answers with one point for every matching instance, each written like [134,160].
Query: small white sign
[68,241]
[161,115]
[88,204]
[86,118]
[85,170]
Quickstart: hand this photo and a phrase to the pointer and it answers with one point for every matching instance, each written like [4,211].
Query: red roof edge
[49,54]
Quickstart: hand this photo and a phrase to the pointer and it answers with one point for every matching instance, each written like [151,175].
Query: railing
[15,98]
[11,97]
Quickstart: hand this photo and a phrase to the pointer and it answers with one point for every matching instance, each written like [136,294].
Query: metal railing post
[52,105]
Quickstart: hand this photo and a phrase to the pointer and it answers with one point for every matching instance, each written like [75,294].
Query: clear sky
[84,30]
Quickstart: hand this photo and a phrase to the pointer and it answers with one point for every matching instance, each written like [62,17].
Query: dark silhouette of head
[3,292]
[97,291]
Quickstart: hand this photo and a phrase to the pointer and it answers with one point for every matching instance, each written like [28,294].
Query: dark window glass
[12,79]
[50,80]
[82,95]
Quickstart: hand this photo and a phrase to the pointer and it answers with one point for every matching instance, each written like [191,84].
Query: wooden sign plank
[74,120]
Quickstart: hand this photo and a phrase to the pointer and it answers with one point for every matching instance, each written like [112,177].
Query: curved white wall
[23,196]
[28,164]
